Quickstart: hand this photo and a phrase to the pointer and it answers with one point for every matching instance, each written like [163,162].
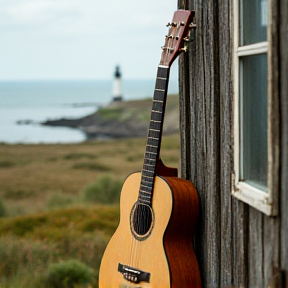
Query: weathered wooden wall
[236,245]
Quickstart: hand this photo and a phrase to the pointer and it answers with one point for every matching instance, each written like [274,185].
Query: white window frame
[266,202]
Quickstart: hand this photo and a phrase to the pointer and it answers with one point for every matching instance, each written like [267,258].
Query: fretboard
[154,136]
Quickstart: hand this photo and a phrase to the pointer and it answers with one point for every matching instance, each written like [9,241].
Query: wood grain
[236,245]
[283,27]
[149,255]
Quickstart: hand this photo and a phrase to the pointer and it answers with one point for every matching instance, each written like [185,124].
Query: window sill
[254,197]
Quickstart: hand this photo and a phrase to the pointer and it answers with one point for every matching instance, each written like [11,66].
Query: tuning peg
[182,23]
[184,49]
[168,24]
[186,39]
[192,25]
[174,24]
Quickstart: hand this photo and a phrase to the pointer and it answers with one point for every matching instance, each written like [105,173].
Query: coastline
[121,119]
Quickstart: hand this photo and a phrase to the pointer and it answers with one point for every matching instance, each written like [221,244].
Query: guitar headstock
[178,34]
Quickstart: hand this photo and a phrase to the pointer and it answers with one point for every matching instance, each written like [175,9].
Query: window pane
[253,91]
[253,21]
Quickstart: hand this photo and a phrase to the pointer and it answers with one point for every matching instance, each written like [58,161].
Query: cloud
[87,33]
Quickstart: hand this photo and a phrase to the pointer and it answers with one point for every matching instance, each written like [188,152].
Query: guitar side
[167,253]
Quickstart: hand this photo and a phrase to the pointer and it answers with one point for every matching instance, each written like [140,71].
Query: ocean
[24,104]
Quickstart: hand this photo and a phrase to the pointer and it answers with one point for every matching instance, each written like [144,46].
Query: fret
[161,90]
[146,196]
[147,183]
[147,171]
[155,111]
[150,182]
[159,101]
[153,138]
[149,159]
[142,191]
[155,121]
[145,164]
[153,146]
[157,130]
[146,187]
[162,78]
[145,200]
[148,176]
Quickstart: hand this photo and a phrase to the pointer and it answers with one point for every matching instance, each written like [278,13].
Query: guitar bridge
[133,275]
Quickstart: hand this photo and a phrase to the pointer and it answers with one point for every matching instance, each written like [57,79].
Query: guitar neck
[154,136]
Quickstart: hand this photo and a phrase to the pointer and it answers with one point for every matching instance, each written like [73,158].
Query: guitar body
[166,252]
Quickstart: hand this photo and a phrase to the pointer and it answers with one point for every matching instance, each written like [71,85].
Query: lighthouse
[116,92]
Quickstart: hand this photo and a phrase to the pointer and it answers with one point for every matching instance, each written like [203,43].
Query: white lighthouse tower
[116,92]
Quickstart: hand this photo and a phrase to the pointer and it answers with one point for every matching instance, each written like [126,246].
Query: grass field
[49,212]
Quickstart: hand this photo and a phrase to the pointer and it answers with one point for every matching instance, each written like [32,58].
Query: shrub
[59,201]
[66,274]
[6,164]
[3,211]
[105,191]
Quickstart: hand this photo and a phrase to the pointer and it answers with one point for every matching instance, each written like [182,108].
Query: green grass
[75,156]
[29,244]
[91,166]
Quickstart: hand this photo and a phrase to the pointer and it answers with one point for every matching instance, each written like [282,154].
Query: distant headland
[122,119]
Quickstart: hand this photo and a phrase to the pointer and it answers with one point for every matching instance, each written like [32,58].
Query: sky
[82,39]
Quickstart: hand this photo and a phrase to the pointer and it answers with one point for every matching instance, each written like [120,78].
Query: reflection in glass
[253,105]
[253,21]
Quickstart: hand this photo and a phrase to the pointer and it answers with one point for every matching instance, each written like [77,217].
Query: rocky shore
[122,119]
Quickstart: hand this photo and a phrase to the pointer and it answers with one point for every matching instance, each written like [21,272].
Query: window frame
[266,202]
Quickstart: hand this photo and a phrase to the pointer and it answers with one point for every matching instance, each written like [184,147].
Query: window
[256,131]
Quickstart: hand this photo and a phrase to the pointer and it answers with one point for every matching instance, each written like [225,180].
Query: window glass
[253,98]
[253,21]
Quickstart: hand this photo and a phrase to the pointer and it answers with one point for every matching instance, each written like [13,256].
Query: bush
[66,274]
[59,201]
[105,191]
[3,211]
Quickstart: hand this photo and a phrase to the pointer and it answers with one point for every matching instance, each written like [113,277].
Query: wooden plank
[205,103]
[225,59]
[240,243]
[284,135]
[271,248]
[255,249]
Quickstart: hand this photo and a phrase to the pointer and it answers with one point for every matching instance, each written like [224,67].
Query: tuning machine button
[168,24]
[185,49]
[192,26]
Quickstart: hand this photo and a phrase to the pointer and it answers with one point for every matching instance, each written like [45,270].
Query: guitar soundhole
[142,219]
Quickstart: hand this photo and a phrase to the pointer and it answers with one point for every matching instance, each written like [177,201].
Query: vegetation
[52,213]
[105,191]
[67,274]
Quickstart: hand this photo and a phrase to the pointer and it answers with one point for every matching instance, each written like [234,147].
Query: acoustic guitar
[152,246]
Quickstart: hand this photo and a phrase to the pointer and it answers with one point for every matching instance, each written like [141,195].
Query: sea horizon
[35,101]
